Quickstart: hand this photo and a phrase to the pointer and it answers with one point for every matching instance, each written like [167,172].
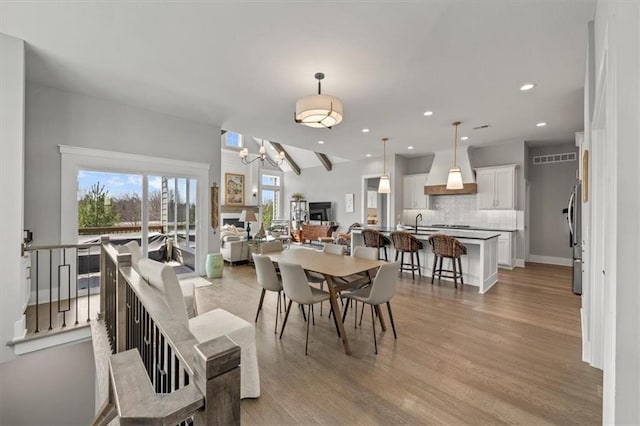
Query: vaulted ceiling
[241,65]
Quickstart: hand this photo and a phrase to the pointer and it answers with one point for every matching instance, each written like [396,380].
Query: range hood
[437,178]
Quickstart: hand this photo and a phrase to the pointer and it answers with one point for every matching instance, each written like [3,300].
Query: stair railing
[159,373]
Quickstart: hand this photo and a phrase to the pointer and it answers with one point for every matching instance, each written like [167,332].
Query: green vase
[214,265]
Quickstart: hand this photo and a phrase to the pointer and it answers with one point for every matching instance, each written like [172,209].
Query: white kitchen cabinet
[506,248]
[413,189]
[496,187]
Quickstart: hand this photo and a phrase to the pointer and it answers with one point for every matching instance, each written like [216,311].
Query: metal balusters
[77,284]
[88,256]
[61,267]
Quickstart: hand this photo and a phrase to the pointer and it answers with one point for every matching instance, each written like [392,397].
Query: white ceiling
[242,65]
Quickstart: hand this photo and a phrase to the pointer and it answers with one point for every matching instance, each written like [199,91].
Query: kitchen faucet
[419,215]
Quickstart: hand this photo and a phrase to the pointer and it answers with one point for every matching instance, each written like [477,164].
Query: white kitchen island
[479,265]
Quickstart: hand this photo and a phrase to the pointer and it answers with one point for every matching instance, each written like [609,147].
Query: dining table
[331,266]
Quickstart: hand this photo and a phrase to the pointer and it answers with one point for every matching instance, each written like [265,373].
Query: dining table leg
[381,318]
[337,314]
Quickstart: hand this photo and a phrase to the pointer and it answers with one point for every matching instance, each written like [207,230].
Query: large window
[270,196]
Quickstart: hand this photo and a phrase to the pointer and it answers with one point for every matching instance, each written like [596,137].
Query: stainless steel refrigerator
[574,218]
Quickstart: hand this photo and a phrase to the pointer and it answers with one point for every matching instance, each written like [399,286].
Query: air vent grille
[554,158]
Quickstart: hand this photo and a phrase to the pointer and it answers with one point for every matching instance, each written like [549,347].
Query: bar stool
[449,247]
[374,238]
[404,242]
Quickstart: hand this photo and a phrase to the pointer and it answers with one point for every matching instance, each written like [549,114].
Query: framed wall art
[233,189]
[348,202]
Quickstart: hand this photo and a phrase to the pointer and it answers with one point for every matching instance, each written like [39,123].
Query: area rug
[197,281]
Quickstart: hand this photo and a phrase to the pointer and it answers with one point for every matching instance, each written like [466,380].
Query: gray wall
[56,117]
[51,387]
[419,164]
[550,186]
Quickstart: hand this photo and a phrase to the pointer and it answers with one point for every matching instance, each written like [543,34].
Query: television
[320,211]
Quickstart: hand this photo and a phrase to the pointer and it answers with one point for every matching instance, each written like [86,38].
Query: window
[270,194]
[232,140]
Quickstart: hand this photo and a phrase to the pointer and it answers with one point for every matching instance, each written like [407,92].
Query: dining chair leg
[306,343]
[321,288]
[304,316]
[397,253]
[355,314]
[286,316]
[344,314]
[313,314]
[418,259]
[461,277]
[433,268]
[275,331]
[260,303]
[440,270]
[361,313]
[385,254]
[393,325]
[373,322]
[284,300]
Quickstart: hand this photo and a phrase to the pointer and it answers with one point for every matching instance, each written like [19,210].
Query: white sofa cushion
[208,325]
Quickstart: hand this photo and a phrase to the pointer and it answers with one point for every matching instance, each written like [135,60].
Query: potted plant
[297,196]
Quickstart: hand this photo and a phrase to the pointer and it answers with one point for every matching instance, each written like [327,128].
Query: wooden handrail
[212,393]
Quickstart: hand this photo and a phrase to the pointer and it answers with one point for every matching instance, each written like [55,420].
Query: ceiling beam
[292,164]
[324,160]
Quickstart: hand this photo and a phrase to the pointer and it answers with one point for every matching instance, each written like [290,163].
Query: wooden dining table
[331,266]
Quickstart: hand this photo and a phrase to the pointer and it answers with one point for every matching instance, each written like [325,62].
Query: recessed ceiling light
[365,130]
[320,142]
[428,113]
[464,138]
[368,155]
[541,124]
[409,147]
[527,86]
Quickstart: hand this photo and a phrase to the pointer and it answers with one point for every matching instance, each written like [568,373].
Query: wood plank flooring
[511,356]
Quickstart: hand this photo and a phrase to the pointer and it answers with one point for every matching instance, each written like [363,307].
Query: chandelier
[318,110]
[262,156]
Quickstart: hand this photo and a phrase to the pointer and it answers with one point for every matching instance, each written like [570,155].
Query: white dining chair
[267,279]
[333,248]
[380,291]
[297,289]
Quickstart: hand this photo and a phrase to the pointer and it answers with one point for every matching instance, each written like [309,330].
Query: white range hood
[442,162]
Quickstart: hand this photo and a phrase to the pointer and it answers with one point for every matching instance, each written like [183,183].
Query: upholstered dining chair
[267,279]
[379,292]
[271,247]
[333,248]
[297,289]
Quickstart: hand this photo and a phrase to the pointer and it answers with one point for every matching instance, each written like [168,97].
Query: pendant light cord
[384,156]
[455,143]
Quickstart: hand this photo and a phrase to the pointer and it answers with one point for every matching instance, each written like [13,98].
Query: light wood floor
[511,356]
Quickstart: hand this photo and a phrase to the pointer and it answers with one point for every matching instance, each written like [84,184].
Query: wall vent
[554,158]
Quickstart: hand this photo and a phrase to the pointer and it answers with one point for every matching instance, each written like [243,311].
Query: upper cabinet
[413,188]
[496,187]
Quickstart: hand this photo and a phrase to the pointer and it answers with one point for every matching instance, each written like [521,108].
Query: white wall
[12,83]
[318,184]
[51,387]
[56,117]
[617,65]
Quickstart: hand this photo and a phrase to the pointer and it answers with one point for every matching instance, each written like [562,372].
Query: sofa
[234,246]
[188,288]
[209,325]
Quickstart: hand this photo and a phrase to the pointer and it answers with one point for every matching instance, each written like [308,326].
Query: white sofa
[188,288]
[208,325]
[234,246]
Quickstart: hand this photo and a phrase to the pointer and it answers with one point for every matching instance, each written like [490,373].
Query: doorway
[375,206]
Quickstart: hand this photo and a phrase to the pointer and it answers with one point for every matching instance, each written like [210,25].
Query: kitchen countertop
[470,234]
[472,228]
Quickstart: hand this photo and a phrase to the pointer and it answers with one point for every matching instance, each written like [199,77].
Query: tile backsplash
[461,210]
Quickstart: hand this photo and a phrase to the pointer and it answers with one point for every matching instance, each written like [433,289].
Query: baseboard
[550,260]
[519,263]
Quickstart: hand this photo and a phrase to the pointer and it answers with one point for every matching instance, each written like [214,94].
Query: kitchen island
[479,265]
